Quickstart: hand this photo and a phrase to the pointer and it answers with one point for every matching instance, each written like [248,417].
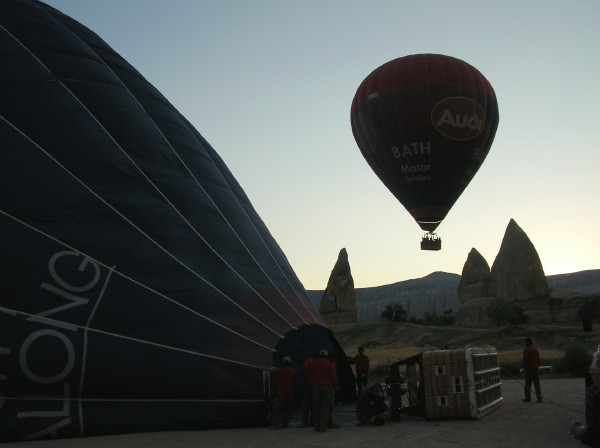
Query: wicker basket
[461,383]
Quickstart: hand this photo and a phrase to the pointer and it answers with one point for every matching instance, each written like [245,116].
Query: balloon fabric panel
[141,290]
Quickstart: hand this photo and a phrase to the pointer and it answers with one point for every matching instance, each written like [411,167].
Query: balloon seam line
[133,281]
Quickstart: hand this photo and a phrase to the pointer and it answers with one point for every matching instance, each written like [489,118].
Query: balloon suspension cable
[431,241]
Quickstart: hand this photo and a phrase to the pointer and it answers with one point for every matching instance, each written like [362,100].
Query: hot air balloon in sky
[140,289]
[425,124]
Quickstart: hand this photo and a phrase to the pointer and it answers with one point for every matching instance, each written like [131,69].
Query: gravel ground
[513,424]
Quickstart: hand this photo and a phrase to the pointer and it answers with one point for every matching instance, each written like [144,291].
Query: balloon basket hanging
[431,241]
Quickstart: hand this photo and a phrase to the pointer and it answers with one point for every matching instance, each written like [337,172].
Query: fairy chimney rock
[338,304]
[519,274]
[476,280]
[476,291]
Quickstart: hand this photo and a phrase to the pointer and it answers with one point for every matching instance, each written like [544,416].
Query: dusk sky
[269,84]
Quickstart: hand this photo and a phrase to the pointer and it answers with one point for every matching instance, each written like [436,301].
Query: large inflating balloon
[425,124]
[140,290]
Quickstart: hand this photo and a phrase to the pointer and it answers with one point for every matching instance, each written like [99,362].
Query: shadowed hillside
[585,282]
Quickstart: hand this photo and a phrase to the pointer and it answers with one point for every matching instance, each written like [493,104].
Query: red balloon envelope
[425,124]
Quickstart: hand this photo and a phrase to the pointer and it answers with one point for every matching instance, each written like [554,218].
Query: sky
[269,84]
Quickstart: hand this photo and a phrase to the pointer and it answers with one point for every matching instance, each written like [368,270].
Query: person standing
[363,368]
[282,409]
[307,416]
[323,381]
[531,364]
[330,424]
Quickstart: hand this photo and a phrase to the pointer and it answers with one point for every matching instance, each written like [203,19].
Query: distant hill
[586,282]
[436,292]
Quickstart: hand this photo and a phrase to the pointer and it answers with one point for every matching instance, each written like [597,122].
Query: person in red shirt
[531,363]
[282,409]
[307,417]
[363,368]
[323,381]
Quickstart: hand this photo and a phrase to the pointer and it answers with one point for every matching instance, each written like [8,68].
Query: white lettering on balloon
[24,362]
[54,373]
[473,122]
[411,149]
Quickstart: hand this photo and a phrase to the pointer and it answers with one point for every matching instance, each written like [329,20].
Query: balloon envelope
[425,124]
[140,289]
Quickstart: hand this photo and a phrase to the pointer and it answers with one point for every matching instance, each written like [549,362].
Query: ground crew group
[320,383]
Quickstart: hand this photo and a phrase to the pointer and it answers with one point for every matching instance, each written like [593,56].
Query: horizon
[451,273]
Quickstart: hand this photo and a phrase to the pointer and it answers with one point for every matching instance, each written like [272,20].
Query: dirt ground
[513,424]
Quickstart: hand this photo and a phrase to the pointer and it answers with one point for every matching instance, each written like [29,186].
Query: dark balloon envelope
[140,289]
[425,124]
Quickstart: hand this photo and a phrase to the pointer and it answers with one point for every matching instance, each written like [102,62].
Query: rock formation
[476,290]
[517,270]
[476,280]
[516,276]
[338,304]
[519,275]
[474,313]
